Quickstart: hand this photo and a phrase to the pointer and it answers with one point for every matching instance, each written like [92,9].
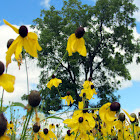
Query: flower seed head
[23,31]
[89,79]
[57,125]
[53,76]
[79,32]
[68,132]
[68,93]
[34,98]
[10,41]
[3,124]
[36,127]
[92,86]
[45,131]
[2,68]
[84,94]
[115,106]
[122,117]
[80,119]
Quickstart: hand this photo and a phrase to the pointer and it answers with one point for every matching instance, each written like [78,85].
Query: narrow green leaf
[18,104]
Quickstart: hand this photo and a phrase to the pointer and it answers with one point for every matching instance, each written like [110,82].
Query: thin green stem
[24,133]
[70,111]
[57,66]
[3,94]
[27,75]
[134,131]
[24,124]
[59,92]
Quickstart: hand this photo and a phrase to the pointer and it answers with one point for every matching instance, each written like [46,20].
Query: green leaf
[18,104]
[5,108]
[54,117]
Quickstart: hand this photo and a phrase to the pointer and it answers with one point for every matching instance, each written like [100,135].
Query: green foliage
[110,47]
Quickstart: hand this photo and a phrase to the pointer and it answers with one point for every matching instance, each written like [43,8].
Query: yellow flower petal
[7,82]
[4,137]
[70,44]
[103,110]
[18,48]
[80,105]
[14,28]
[80,47]
[29,46]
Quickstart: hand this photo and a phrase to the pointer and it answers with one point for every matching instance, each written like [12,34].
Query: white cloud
[137,13]
[45,3]
[20,83]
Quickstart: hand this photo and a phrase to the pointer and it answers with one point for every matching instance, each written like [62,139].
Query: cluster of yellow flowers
[107,122]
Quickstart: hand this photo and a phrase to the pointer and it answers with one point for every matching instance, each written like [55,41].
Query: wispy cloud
[45,3]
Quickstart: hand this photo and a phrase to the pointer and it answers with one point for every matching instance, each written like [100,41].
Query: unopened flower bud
[134,116]
[10,41]
[3,124]
[2,68]
[36,127]
[34,98]
[122,117]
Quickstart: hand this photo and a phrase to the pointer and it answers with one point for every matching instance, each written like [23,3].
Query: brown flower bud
[34,98]
[2,68]
[3,124]
[36,127]
[10,41]
[122,117]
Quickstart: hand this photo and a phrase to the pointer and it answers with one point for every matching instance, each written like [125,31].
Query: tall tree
[110,47]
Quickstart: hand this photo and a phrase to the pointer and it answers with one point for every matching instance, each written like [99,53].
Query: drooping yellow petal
[7,82]
[50,84]
[110,115]
[70,44]
[90,119]
[34,37]
[11,51]
[103,110]
[4,137]
[80,105]
[52,135]
[79,46]
[19,48]
[29,46]
[131,118]
[14,28]
[56,82]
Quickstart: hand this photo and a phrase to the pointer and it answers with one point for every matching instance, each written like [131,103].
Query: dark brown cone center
[23,31]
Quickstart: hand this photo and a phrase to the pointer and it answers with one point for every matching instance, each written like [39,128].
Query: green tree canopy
[110,47]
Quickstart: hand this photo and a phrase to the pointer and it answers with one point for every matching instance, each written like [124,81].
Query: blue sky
[20,12]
